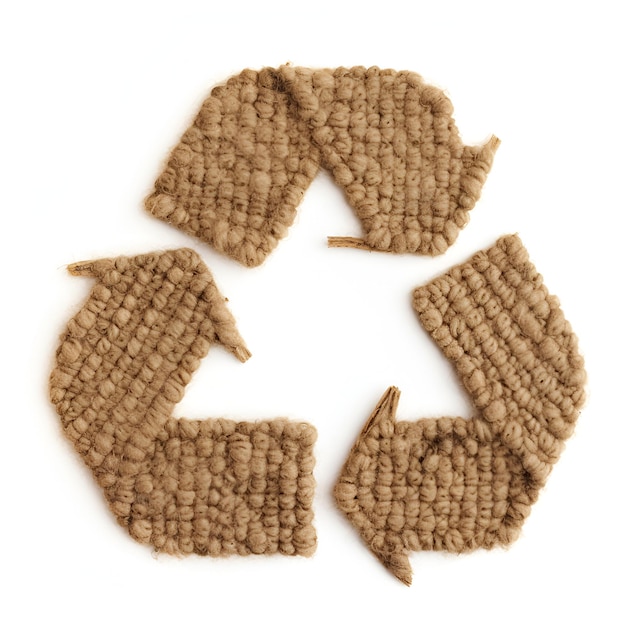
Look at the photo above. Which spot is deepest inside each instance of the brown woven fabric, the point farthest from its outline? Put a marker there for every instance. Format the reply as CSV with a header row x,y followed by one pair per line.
x,y
214,487
388,139
455,484
240,170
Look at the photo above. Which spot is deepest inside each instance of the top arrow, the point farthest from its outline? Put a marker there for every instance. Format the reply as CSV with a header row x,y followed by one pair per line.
x,y
213,487
389,140
454,484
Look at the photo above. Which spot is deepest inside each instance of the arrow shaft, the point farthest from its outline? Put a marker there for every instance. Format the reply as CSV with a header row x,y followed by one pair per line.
x,y
449,490
513,350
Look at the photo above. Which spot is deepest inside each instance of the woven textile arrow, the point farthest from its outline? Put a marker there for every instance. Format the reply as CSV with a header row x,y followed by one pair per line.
x,y
388,139
455,484
214,487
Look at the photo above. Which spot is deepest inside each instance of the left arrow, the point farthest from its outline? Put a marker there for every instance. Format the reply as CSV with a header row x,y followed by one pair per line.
x,y
213,487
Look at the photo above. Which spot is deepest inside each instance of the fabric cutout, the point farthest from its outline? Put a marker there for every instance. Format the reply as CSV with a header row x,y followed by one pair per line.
x,y
455,484
239,172
215,487
389,140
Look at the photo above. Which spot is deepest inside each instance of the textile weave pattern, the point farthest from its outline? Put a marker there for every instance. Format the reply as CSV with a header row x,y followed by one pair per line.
x,y
388,139
213,487
454,484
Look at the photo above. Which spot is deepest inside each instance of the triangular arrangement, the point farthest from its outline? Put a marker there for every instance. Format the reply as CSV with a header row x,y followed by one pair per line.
x,y
218,487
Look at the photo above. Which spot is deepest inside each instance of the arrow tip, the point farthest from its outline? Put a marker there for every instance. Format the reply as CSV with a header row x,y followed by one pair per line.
x,y
398,564
91,269
242,353
385,410
356,505
84,268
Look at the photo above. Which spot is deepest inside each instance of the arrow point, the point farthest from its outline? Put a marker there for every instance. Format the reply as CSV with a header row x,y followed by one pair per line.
x,y
355,503
85,268
385,411
242,353
398,564
348,242
80,269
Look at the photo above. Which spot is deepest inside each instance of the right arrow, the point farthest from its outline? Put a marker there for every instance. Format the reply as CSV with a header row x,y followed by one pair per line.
x,y
455,484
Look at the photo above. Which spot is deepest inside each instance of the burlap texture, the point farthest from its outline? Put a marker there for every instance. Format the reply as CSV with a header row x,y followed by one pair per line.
x,y
214,487
455,484
388,139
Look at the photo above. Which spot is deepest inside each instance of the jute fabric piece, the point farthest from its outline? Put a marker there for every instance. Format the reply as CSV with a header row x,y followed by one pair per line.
x,y
455,484
212,487
388,139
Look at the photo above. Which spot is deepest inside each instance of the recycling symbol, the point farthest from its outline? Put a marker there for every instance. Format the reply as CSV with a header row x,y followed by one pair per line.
x,y
218,487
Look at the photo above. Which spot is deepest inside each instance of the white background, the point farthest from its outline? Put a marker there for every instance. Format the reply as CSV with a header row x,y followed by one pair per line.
x,y
94,97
